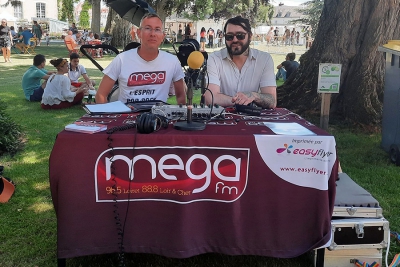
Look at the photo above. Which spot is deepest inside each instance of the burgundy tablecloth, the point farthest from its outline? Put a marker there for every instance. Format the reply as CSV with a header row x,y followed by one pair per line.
x,y
191,192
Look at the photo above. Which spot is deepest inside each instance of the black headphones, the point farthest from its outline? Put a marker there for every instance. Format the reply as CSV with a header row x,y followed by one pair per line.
x,y
149,122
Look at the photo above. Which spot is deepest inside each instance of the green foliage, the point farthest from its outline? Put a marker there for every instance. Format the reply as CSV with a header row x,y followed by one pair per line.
x,y
311,13
203,9
84,16
67,10
12,3
10,133
265,14
199,11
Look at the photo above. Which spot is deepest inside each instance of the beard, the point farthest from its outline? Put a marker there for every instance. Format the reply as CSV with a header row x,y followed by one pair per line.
x,y
238,50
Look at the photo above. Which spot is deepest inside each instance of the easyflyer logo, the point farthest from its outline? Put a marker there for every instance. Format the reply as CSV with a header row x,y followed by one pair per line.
x,y
319,153
174,174
145,78
285,148
300,160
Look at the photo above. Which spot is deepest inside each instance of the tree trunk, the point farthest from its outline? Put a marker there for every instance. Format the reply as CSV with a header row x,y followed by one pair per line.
x,y
161,12
349,33
110,17
121,32
96,14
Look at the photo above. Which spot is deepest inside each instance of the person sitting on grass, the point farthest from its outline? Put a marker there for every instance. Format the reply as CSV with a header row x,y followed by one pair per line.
x,y
58,94
33,90
286,68
75,71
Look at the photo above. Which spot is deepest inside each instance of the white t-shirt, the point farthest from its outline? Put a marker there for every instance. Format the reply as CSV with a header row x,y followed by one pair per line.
x,y
258,71
58,89
141,80
75,74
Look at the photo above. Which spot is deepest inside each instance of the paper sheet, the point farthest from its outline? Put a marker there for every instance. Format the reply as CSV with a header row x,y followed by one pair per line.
x,y
291,128
112,107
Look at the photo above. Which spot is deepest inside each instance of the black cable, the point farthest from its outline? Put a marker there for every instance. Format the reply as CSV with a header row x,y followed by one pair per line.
x,y
120,128
129,190
121,253
120,227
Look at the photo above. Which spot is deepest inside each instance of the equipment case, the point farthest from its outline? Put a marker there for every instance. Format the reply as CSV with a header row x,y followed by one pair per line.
x,y
359,231
354,201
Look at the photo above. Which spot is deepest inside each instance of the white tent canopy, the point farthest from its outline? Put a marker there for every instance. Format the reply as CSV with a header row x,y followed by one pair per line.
x,y
11,20
7,16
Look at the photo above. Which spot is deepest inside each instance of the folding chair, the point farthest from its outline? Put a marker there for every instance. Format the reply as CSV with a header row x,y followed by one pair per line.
x,y
72,47
30,48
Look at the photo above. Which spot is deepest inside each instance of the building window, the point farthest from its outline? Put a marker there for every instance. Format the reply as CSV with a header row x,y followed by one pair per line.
x,y
40,10
18,12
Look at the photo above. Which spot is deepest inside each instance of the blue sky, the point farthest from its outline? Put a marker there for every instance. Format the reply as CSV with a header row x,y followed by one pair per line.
x,y
288,2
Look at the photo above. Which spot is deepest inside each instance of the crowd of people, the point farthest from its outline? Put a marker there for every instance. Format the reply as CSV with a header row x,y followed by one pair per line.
x,y
237,73
210,35
288,37
21,39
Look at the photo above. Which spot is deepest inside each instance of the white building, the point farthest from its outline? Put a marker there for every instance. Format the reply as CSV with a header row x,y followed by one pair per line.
x,y
32,9
283,17
43,11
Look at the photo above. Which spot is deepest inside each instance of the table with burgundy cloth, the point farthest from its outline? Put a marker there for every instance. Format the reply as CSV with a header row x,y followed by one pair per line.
x,y
235,188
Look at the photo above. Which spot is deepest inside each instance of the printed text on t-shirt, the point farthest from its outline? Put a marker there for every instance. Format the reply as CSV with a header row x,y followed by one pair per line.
x,y
144,78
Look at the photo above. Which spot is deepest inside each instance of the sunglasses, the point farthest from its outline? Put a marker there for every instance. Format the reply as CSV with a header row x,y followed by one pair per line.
x,y
240,36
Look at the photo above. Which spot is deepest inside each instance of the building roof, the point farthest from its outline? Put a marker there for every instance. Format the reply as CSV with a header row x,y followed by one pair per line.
x,y
286,12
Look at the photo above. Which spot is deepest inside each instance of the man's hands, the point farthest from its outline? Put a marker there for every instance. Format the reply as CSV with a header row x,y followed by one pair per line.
x,y
263,99
243,98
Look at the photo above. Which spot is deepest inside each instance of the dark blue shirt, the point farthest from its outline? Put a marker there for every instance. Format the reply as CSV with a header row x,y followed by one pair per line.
x,y
290,67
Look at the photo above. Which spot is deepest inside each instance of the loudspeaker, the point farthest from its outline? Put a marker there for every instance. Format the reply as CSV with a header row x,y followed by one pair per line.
x,y
149,122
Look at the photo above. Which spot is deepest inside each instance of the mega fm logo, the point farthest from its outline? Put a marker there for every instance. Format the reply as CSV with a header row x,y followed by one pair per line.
x,y
321,153
145,78
175,174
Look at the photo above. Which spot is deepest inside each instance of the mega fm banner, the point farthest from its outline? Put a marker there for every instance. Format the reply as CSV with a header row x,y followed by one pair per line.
x,y
174,174
301,160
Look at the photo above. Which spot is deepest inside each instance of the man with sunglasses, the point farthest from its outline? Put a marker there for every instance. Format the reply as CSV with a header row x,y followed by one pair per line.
x,y
239,74
144,73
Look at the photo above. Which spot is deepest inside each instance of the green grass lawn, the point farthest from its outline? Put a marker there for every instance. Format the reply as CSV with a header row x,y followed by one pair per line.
x,y
28,222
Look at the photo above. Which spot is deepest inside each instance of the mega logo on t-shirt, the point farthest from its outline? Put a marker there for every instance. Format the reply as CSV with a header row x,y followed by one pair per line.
x,y
145,78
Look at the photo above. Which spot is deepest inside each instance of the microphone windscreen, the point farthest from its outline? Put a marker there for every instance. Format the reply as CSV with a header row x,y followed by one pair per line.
x,y
195,60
